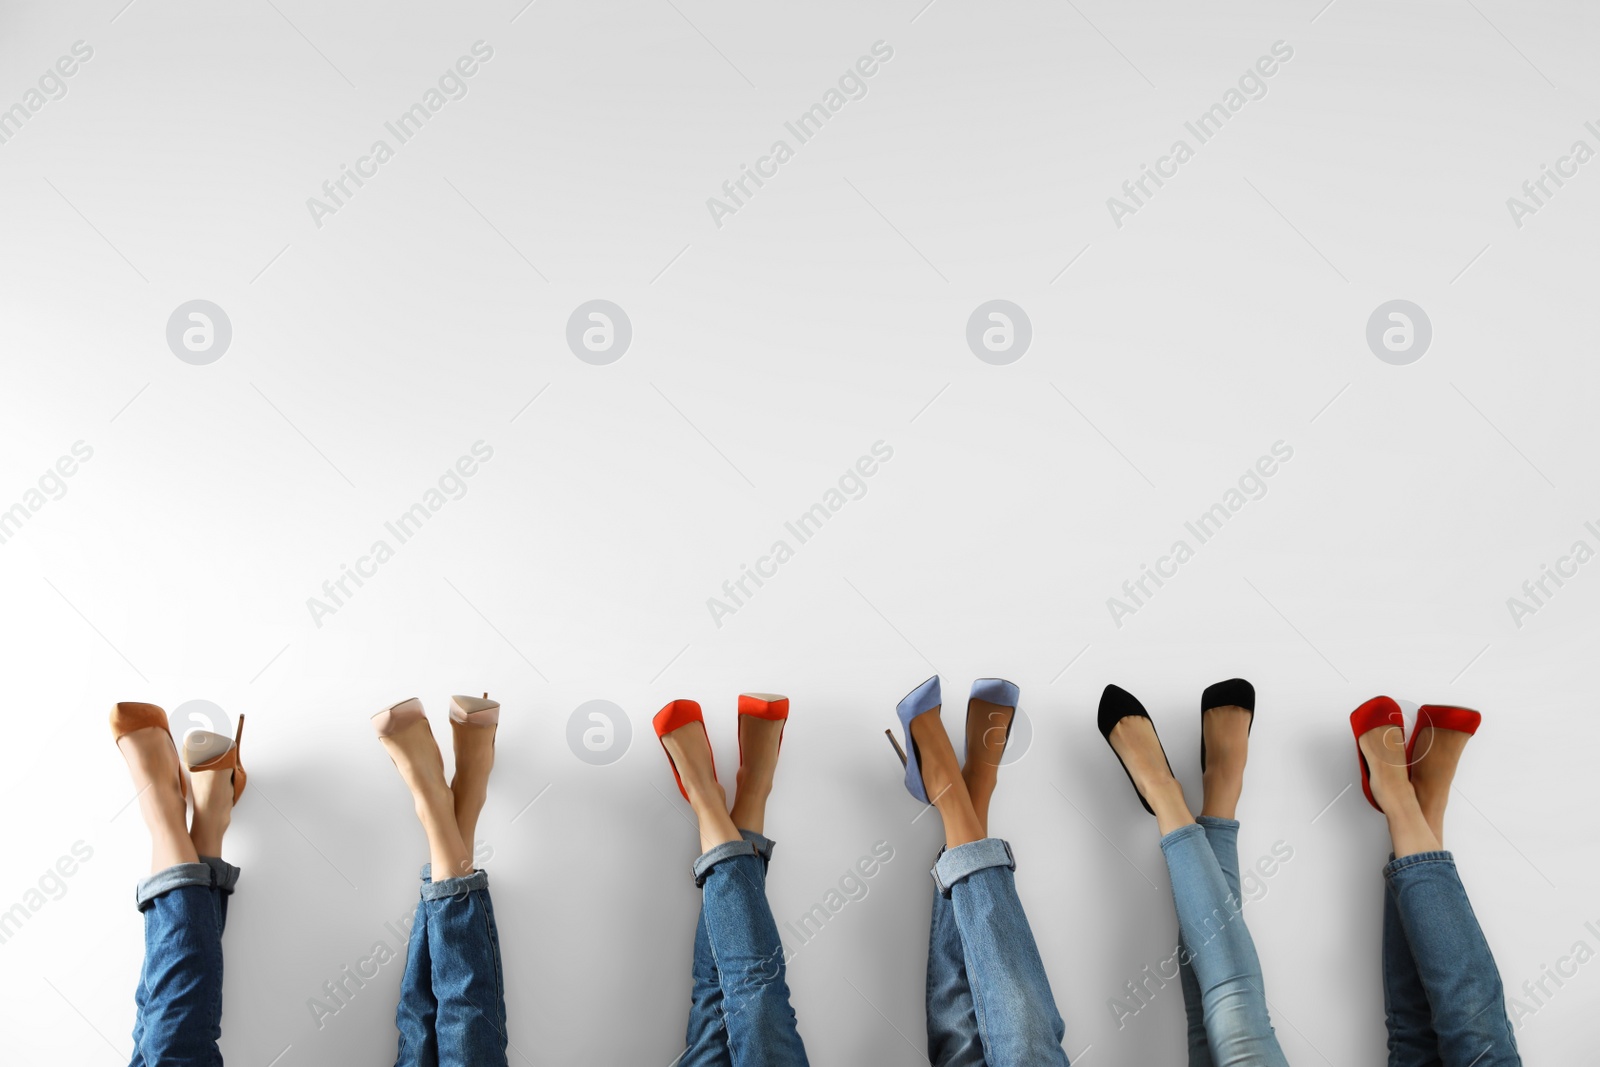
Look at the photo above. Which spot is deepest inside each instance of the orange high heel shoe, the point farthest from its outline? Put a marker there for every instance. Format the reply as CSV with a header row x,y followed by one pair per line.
x,y
676,714
396,717
206,751
769,706
128,716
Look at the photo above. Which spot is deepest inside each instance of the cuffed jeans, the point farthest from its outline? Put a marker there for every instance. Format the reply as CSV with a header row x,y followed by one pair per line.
x,y
1442,995
989,1001
452,1010
1222,987
178,1017
739,1011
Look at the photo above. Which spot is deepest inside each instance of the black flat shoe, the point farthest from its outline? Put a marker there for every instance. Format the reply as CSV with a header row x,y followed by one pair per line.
x,y
1234,693
1117,704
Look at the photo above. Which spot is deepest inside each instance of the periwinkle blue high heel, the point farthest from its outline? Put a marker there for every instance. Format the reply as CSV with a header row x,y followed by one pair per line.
x,y
996,691
924,698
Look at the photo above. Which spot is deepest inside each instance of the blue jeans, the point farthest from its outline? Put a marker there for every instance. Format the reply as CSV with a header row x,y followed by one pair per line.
x,y
989,1001
178,1017
739,1012
452,1010
1442,995
1222,974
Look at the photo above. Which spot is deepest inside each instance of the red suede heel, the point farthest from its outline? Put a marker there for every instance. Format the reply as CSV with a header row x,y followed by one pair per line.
x,y
679,713
1375,713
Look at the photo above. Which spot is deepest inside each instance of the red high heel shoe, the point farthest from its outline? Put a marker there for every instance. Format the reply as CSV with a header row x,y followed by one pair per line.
x,y
1441,717
1375,713
676,714
769,706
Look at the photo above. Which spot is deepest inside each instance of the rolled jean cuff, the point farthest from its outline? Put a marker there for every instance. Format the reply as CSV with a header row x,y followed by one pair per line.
x,y
717,853
1182,834
1394,867
764,845
209,873
1211,822
963,861
452,887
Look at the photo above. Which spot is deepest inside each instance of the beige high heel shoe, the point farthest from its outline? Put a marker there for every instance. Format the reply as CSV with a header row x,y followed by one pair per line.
x,y
475,711
206,751
128,716
396,717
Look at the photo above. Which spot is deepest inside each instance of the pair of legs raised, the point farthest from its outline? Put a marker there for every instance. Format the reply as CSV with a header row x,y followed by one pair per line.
x,y
1443,999
739,1010
452,1009
184,899
1223,990
989,1002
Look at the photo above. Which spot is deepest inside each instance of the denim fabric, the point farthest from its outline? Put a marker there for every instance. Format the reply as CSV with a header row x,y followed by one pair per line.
x,y
739,1012
1442,995
1223,837
989,1001
178,1017
1219,948
452,1010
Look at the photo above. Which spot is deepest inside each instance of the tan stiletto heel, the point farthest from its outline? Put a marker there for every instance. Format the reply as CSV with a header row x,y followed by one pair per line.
x,y
128,716
396,717
475,711
206,751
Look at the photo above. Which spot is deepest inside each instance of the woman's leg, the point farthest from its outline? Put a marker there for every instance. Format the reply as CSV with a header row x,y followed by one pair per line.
x,y
1227,744
741,946
1219,946
1011,1003
707,1037
464,988
953,1036
1453,964
466,974
179,997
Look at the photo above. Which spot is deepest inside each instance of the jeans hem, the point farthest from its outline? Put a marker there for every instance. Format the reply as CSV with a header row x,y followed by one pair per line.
x,y
1215,823
1182,833
1394,867
451,887
763,844
209,873
717,853
963,861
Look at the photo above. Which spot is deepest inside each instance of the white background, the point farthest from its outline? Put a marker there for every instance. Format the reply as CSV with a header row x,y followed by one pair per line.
x,y
768,354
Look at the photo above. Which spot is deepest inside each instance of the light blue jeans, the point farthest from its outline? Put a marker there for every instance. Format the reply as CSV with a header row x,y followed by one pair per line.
x,y
1222,987
1442,995
739,1011
178,1005
452,1010
989,1001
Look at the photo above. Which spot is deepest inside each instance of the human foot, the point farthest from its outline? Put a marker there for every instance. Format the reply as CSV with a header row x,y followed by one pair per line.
x,y
762,717
213,809
991,709
1440,738
154,767
689,749
474,722
1226,734
1384,748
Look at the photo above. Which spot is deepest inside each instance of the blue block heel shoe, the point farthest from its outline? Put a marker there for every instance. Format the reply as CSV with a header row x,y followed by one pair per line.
x,y
924,698
996,691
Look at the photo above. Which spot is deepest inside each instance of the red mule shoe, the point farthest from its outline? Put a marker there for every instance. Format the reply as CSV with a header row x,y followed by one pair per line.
x,y
1374,714
769,706
1441,717
677,714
